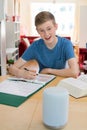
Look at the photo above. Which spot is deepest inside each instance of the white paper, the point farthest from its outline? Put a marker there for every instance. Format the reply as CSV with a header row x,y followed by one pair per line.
x,y
18,88
24,87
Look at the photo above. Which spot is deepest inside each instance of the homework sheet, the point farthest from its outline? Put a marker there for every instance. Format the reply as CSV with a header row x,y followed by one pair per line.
x,y
23,87
19,88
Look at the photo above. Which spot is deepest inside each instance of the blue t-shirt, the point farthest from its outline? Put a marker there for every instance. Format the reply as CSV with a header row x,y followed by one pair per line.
x,y
50,58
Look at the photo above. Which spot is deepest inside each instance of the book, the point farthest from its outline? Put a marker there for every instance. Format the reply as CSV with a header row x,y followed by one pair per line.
x,y
14,91
77,87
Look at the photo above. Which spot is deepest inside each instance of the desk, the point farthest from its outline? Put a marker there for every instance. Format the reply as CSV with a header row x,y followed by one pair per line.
x,y
28,116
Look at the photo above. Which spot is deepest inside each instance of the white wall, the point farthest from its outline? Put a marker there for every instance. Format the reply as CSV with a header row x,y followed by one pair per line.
x,y
25,15
83,26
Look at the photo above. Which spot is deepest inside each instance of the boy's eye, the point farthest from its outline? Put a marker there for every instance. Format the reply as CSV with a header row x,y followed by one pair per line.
x,y
49,28
41,30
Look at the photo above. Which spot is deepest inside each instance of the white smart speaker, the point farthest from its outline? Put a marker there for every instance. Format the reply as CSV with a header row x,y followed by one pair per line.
x,y
55,107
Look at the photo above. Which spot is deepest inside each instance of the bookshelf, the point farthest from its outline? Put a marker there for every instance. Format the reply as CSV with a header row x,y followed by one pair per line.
x,y
9,33
13,27
13,37
12,53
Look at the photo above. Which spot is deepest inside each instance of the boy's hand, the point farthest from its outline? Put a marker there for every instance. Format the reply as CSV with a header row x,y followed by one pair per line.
x,y
29,74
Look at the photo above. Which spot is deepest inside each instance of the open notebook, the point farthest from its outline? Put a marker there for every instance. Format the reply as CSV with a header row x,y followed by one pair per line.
x,y
20,89
77,87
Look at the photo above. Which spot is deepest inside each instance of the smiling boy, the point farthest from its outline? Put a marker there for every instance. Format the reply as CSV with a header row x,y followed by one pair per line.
x,y
51,52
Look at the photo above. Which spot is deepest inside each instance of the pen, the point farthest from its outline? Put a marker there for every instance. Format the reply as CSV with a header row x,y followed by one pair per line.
x,y
24,80
28,70
18,80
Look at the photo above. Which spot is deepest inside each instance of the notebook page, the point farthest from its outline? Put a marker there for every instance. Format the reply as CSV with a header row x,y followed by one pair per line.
x,y
19,88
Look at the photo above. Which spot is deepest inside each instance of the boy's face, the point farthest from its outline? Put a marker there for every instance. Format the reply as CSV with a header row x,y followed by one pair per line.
x,y
47,32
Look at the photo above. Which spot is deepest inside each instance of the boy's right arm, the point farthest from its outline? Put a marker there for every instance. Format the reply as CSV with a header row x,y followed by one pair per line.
x,y
17,69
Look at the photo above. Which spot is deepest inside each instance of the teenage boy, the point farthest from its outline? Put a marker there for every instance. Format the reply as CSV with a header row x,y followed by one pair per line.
x,y
50,52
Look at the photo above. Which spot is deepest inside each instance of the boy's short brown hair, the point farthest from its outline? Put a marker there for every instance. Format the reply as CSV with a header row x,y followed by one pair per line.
x,y
44,16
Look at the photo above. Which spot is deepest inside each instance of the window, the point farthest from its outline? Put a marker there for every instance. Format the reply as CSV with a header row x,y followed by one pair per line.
x,y
63,12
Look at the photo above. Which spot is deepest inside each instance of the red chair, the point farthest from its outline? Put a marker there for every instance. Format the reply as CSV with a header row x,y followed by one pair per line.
x,y
23,45
30,38
82,58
